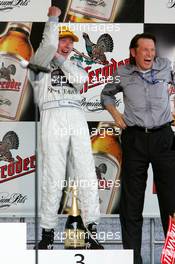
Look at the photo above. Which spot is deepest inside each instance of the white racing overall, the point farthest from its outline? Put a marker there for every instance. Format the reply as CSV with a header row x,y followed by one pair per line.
x,y
64,130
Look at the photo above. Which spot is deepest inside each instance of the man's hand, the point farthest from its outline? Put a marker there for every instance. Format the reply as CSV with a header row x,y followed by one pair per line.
x,y
119,121
54,11
118,117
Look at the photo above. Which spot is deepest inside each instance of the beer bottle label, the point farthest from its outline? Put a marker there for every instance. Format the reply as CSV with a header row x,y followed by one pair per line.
x,y
74,238
100,9
13,80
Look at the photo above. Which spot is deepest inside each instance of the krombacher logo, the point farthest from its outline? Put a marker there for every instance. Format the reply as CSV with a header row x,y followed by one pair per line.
x,y
8,5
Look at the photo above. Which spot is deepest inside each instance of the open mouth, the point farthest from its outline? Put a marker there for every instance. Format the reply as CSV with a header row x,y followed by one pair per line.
x,y
65,51
148,60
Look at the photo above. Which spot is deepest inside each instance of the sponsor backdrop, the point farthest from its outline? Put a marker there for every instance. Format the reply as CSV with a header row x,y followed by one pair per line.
x,y
159,11
17,168
24,10
17,164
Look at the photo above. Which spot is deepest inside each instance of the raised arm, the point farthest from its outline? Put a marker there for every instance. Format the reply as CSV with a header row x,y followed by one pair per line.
x,y
48,46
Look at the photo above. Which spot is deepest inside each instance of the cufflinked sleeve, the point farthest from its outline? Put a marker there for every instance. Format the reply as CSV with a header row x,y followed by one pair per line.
x,y
109,91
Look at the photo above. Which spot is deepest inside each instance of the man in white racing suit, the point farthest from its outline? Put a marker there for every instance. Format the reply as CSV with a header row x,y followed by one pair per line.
x,y
64,129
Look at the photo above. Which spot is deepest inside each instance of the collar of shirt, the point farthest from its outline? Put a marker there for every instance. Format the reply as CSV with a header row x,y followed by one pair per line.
x,y
133,68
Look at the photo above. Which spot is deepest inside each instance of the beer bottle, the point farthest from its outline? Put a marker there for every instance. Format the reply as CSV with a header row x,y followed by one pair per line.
x,y
74,228
14,46
91,11
108,157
